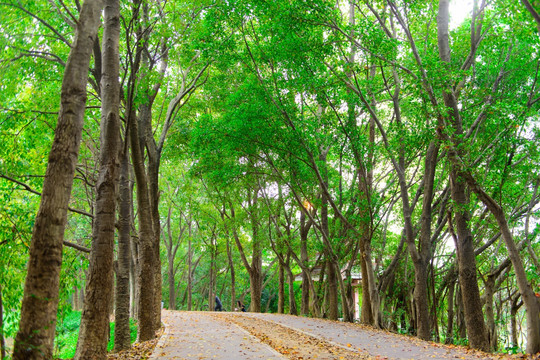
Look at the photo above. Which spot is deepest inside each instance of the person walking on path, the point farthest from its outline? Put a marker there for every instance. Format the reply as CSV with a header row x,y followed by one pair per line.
x,y
219,306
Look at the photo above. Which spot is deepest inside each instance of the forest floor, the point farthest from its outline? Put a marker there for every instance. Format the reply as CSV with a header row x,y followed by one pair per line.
x,y
238,336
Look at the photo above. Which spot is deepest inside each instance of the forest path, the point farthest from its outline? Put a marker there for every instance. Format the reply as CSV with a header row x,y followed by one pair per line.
x,y
232,336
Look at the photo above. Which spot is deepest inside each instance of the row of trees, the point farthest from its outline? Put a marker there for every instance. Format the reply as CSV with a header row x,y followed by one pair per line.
x,y
243,140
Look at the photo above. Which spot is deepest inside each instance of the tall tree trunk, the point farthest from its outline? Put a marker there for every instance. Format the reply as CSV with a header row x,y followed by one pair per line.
x,y
449,338
491,327
190,272
122,340
37,326
212,276
134,268
304,231
332,295
474,319
94,329
366,316
281,288
514,307
460,315
233,275
472,306
146,278
154,158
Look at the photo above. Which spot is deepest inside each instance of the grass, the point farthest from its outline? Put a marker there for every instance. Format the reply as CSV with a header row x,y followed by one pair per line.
x,y
67,333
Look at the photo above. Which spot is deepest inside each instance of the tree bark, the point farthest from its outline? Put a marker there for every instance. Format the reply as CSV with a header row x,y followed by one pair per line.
x,y
281,288
190,272
122,340
515,304
233,275
37,326
304,231
94,329
490,316
255,270
449,338
146,278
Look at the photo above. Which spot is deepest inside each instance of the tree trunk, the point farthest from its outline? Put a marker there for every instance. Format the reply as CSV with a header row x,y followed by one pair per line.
x,y
490,316
332,295
190,272
462,329
304,231
233,275
449,338
281,289
122,340
212,276
37,326
154,158
474,319
146,278
134,268
472,306
366,316
94,329
514,307
171,254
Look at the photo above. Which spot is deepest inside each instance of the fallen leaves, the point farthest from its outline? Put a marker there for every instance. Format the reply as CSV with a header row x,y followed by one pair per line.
x,y
293,344
138,351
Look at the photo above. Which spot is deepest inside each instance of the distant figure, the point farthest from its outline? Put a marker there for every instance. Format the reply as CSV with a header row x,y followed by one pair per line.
x,y
241,306
219,306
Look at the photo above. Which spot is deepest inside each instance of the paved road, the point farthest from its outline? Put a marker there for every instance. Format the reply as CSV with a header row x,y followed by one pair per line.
x,y
227,336
198,335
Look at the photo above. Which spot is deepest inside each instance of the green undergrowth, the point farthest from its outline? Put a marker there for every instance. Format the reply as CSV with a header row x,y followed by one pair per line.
x,y
67,332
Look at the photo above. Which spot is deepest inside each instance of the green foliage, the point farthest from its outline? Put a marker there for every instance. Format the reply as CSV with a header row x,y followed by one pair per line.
x,y
67,332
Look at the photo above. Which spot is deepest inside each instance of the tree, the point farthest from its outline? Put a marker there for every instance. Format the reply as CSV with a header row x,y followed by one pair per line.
x,y
94,330
38,315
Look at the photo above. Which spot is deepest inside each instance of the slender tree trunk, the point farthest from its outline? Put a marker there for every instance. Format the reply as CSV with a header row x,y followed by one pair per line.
x,y
474,319
171,252
366,316
153,186
332,295
460,315
514,307
450,317
281,289
304,230
37,326
255,273
94,330
472,306
146,278
190,272
212,282
490,316
134,268
233,275
122,340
